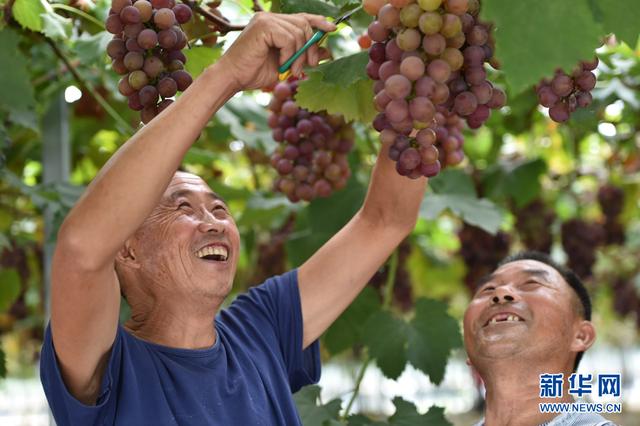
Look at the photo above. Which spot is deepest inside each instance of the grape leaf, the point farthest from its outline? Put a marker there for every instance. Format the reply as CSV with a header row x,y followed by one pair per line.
x,y
16,91
407,415
10,288
452,181
354,102
344,71
620,17
27,13
90,48
318,7
453,189
312,414
432,336
533,38
321,219
199,58
386,338
475,211
523,183
55,26
347,330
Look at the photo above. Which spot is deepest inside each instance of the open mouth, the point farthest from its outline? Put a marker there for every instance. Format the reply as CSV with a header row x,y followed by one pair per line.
x,y
504,317
213,253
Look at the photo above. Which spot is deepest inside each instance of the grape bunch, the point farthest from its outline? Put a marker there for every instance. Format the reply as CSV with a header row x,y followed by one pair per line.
x,y
626,299
146,50
611,200
428,58
580,240
533,223
481,252
312,157
564,93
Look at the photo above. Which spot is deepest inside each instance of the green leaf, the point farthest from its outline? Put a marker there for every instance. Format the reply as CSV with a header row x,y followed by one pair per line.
x,y
312,414
523,183
407,415
344,71
353,100
620,17
90,48
266,211
475,211
10,287
453,181
347,330
433,334
16,91
555,33
321,219
199,58
318,7
386,338
56,26
27,13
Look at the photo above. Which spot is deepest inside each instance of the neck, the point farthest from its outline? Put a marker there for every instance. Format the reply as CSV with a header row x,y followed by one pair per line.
x,y
513,392
175,320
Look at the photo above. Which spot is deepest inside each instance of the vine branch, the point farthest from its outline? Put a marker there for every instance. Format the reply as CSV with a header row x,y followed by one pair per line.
x,y
223,25
89,87
386,303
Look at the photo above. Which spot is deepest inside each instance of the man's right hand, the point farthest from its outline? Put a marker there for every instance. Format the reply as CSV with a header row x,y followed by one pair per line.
x,y
267,42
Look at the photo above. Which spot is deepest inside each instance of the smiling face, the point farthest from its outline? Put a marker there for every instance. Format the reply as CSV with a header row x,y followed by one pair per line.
x,y
525,309
189,244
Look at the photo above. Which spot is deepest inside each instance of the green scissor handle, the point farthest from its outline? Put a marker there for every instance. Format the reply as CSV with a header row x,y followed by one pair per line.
x,y
314,39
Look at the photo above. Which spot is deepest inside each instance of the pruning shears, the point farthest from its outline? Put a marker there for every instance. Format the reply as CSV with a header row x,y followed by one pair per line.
x,y
318,37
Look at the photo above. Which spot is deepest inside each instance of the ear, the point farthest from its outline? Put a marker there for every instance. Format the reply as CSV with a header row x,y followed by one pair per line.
x,y
584,336
126,256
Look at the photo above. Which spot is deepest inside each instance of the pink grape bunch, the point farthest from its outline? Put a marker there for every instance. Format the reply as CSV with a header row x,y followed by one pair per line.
x,y
311,159
565,93
146,50
429,56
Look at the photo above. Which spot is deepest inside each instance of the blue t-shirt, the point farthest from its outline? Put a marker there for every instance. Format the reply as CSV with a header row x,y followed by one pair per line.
x,y
246,378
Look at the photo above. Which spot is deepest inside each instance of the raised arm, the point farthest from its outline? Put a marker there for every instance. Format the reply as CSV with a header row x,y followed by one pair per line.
x,y
332,278
85,290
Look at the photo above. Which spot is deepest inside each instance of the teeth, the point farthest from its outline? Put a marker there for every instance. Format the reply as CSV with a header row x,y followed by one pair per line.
x,y
213,250
510,318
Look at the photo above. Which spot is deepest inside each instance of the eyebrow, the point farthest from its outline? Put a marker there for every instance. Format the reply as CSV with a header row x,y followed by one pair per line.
x,y
538,273
188,193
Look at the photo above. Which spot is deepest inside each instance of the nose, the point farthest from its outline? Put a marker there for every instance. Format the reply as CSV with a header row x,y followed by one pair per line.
x,y
503,294
210,223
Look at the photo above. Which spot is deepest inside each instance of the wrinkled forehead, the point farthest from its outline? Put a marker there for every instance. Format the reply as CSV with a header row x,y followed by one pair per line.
x,y
183,183
528,268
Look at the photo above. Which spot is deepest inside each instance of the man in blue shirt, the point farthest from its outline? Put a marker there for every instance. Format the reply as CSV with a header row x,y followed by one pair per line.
x,y
531,317
171,246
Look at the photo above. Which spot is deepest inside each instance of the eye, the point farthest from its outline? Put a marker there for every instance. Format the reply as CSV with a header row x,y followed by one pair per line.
x,y
489,287
184,204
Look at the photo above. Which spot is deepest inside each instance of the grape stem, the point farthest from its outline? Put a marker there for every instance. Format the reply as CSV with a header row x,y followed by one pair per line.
x,y
386,303
89,88
222,25
257,7
79,13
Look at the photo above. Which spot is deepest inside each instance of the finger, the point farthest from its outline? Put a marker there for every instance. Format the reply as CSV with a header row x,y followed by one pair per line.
x,y
298,35
319,21
301,22
283,40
